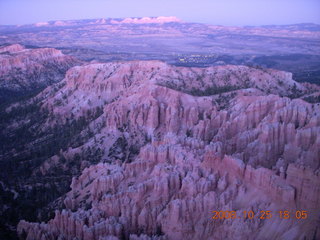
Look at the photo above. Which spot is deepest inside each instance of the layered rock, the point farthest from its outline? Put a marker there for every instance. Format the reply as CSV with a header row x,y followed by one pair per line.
x,y
147,20
95,85
232,149
169,192
23,70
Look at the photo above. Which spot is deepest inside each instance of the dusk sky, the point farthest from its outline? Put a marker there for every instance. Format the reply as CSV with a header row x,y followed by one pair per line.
x,y
224,12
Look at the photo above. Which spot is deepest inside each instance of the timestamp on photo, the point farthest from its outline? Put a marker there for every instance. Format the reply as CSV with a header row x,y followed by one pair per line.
x,y
263,214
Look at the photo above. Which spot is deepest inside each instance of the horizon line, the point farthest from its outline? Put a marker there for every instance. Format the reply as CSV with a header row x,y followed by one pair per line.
x,y
152,17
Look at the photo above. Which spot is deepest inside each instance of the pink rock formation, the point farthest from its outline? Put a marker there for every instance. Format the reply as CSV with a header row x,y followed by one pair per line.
x,y
26,69
11,48
41,24
147,20
239,150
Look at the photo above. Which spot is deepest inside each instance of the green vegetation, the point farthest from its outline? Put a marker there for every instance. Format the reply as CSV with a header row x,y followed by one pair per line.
x,y
30,143
312,99
209,91
212,90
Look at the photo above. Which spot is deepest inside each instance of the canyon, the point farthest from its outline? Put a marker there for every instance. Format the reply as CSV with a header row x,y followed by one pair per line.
x,y
147,150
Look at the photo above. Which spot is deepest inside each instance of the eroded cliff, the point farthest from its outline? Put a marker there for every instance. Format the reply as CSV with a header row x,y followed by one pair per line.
x,y
179,143
24,70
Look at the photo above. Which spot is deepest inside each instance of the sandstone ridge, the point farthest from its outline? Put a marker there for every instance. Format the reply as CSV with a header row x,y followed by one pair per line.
x,y
180,143
24,69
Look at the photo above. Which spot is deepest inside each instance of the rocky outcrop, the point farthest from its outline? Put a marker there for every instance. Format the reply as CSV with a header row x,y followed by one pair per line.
x,y
223,149
169,192
24,70
95,85
11,49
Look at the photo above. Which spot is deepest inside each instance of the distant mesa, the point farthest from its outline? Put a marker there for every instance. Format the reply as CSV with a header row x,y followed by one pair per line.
x,y
143,20
51,23
41,24
101,21
146,20
60,23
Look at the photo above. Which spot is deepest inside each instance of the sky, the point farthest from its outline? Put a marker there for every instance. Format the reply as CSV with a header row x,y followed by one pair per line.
x,y
221,12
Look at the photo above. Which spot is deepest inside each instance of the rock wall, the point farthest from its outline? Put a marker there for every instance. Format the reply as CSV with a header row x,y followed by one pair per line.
x,y
257,152
23,70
